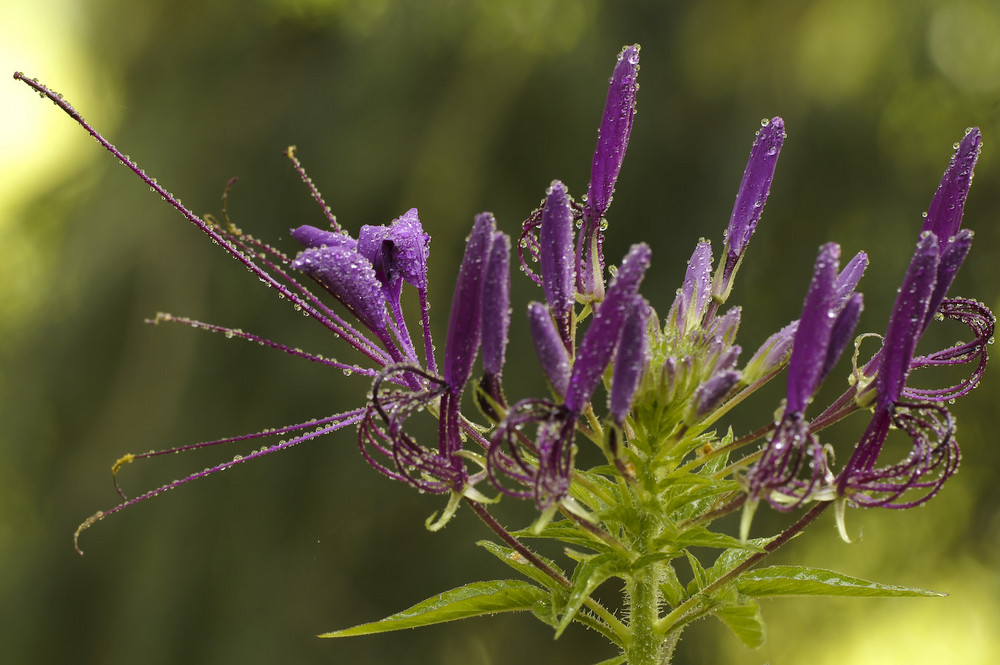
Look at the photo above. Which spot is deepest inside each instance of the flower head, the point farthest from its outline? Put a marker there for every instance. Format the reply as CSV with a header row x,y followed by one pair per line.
x,y
829,316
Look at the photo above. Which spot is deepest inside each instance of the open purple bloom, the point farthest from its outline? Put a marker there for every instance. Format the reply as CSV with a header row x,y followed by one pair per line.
x,y
350,278
475,321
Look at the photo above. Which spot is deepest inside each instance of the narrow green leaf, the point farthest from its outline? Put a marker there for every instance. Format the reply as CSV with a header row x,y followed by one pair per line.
x,y
467,601
617,660
587,577
699,536
672,589
568,532
805,581
700,579
745,620
517,561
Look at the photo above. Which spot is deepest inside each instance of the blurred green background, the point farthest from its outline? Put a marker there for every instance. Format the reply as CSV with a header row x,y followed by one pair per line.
x,y
452,107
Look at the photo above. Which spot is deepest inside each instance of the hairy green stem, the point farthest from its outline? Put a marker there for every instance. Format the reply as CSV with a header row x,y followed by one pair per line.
x,y
689,610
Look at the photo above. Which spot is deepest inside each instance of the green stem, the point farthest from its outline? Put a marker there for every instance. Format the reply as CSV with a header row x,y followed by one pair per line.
x,y
607,625
689,610
646,645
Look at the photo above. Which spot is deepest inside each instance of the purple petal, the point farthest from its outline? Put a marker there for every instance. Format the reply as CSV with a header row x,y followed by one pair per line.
x,y
310,236
724,327
350,278
841,333
557,255
709,394
849,277
692,299
398,252
496,304
953,254
813,335
632,359
549,346
602,335
944,216
464,323
752,195
612,138
410,248
372,245
772,354
907,319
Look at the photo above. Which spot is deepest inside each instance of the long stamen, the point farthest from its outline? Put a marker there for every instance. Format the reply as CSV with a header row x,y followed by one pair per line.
x,y
236,333
348,418
215,234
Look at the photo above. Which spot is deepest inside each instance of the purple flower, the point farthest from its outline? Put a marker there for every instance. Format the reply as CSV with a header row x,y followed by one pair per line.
x,y
612,142
475,321
556,257
750,200
921,413
829,316
540,466
556,247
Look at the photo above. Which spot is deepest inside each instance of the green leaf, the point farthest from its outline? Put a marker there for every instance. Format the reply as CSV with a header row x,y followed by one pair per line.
x,y
565,531
699,536
517,561
805,581
588,576
617,660
700,579
745,620
467,601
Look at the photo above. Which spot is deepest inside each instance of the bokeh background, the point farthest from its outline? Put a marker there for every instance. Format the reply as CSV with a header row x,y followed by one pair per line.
x,y
452,107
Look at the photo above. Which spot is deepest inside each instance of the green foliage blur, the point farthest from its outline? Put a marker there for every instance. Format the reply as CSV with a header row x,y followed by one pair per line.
x,y
452,107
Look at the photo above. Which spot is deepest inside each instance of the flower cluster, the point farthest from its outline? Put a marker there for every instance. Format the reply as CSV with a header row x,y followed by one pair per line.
x,y
668,381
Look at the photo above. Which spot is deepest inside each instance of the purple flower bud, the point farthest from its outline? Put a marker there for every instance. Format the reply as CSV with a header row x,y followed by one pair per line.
x,y
602,335
772,354
612,141
556,256
668,379
849,277
612,138
812,339
549,346
631,360
907,319
349,278
711,393
464,323
496,304
692,299
724,327
841,333
944,216
750,199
